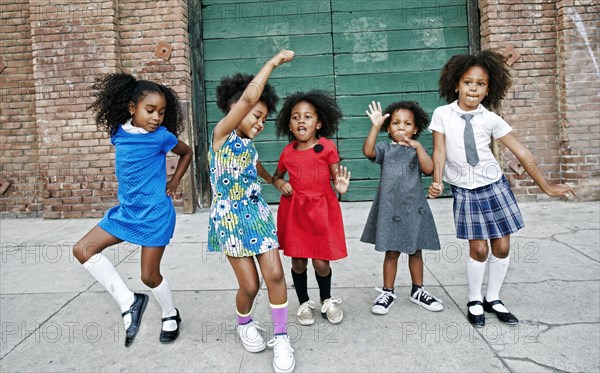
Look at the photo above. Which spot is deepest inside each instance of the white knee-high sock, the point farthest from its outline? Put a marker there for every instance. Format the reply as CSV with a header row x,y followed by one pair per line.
x,y
475,272
106,274
164,296
497,269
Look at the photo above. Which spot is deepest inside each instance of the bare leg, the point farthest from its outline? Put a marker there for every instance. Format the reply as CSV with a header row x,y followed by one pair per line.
x,y
415,266
390,267
94,242
247,277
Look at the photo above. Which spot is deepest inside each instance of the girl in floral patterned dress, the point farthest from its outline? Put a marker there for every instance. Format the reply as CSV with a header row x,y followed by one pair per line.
x,y
241,224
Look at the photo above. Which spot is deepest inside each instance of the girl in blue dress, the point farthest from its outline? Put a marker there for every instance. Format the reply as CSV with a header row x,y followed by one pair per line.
x,y
240,223
143,119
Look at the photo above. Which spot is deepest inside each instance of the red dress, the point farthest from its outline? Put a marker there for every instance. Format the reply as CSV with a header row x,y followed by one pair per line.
x,y
309,222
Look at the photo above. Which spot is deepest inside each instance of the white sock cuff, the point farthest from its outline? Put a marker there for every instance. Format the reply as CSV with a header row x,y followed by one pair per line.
x,y
164,285
96,258
494,259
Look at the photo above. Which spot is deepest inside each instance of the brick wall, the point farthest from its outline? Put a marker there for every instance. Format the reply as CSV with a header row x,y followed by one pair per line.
x,y
547,93
579,94
19,160
58,163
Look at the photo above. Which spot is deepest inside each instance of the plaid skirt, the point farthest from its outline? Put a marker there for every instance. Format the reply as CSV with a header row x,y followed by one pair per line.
x,y
486,212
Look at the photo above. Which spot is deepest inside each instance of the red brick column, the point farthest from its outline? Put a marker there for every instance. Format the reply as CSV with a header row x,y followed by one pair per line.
x,y
72,42
578,27
531,107
19,162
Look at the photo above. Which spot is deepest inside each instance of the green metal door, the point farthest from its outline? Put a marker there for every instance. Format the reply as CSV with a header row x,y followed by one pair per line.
x,y
383,50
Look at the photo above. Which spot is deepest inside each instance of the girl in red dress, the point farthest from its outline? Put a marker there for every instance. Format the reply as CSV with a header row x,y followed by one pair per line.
x,y
309,219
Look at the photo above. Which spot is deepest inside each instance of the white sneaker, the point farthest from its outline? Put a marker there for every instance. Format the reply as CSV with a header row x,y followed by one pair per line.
x,y
331,308
383,302
283,354
251,338
426,300
305,314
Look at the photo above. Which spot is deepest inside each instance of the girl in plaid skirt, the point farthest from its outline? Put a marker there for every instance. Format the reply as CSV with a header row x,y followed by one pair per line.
x,y
484,205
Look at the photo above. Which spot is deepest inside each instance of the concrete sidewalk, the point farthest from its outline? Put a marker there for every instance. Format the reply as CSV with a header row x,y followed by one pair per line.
x,y
56,318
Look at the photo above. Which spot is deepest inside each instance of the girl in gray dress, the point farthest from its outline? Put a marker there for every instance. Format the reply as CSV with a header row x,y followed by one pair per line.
x,y
400,220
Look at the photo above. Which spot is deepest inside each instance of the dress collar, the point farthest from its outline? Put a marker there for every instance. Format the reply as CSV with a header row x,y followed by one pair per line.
x,y
130,128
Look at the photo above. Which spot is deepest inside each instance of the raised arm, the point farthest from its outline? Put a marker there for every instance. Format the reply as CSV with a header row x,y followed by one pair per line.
x,y
249,98
341,177
377,119
531,167
439,162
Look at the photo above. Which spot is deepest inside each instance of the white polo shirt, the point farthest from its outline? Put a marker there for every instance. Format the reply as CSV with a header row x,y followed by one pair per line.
x,y
446,119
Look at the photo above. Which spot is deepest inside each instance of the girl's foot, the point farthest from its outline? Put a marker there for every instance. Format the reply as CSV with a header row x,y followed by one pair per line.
x,y
136,311
305,314
425,300
383,302
283,354
332,311
251,338
169,336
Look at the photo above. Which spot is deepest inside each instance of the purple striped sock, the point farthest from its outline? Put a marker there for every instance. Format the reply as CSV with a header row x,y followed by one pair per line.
x,y
243,319
279,314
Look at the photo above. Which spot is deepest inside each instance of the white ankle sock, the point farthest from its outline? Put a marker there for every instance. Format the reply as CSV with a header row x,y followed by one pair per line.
x,y
106,274
497,269
163,295
475,272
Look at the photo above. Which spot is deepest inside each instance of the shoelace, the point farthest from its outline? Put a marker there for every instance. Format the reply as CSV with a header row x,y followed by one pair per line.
x,y
384,297
305,305
427,296
251,323
329,303
281,344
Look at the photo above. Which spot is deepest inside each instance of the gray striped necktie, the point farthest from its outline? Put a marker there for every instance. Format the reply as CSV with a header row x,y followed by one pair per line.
x,y
470,147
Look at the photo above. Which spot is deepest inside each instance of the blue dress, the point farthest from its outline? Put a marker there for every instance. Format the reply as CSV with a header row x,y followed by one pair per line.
x,y
145,215
240,221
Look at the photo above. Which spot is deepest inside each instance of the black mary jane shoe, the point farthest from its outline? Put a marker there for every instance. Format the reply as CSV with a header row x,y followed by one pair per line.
x,y
136,310
477,321
170,336
506,317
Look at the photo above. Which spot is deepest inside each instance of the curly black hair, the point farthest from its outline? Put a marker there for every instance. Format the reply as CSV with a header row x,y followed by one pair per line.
x,y
230,90
328,112
115,91
493,62
421,117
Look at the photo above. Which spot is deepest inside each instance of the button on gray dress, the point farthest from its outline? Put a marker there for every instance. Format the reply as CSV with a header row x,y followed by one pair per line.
x,y
400,218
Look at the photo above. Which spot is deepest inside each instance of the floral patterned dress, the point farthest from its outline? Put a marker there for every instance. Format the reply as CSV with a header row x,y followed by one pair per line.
x,y
240,223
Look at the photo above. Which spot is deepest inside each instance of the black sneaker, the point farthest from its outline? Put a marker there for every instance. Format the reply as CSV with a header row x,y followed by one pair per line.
x,y
383,302
425,300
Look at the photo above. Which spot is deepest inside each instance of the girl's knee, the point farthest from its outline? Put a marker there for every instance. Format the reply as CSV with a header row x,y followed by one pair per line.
x,y
249,290
151,278
322,267
299,265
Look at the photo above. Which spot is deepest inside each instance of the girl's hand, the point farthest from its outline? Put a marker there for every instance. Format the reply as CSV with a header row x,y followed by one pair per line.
x,y
172,188
435,189
375,114
342,179
408,142
282,57
284,187
559,190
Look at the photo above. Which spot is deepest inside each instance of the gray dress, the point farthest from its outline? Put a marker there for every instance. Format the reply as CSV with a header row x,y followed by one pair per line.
x,y
400,218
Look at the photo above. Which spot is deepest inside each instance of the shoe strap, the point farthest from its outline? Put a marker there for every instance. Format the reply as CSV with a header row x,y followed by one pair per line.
x,y
494,302
176,317
474,303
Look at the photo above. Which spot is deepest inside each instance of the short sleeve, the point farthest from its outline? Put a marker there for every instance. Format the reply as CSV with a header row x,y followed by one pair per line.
x,y
379,152
331,152
437,123
500,128
169,141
